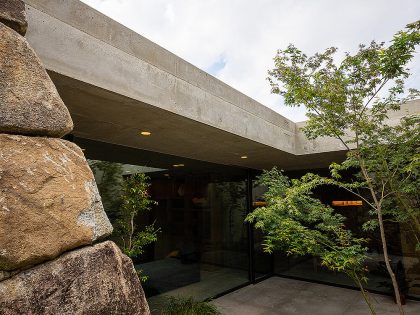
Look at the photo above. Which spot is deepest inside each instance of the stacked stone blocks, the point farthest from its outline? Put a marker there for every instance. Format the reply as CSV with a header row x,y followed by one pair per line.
x,y
52,221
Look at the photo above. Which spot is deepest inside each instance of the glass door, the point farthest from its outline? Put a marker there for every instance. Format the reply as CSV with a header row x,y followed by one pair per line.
x,y
261,265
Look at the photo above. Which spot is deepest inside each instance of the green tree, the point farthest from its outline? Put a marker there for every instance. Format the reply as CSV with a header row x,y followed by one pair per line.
x,y
351,100
135,199
299,224
124,200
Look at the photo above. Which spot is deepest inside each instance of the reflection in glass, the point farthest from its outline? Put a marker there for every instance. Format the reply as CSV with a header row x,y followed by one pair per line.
x,y
202,247
401,247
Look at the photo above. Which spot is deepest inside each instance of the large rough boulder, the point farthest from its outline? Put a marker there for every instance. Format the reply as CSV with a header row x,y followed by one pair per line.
x,y
29,101
12,13
92,280
49,202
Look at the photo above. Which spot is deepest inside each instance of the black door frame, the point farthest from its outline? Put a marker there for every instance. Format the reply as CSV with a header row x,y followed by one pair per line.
x,y
251,241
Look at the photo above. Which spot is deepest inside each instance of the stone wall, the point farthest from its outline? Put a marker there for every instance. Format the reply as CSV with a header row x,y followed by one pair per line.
x,y
52,221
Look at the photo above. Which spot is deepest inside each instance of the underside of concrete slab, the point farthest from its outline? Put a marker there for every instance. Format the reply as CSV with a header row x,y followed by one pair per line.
x,y
117,83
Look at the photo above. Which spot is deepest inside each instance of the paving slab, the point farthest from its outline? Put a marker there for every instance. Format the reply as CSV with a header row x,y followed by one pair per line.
x,y
283,296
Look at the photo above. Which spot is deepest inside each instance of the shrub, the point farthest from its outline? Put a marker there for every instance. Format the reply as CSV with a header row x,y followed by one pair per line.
x,y
188,306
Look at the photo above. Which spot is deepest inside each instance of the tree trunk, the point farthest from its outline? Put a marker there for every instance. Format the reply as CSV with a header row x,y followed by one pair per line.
x,y
388,265
130,239
383,238
364,293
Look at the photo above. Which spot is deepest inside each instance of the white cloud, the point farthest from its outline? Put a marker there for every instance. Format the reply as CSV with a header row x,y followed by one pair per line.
x,y
239,38
169,13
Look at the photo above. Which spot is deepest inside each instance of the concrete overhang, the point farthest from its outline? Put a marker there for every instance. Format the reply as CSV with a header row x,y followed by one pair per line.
x,y
117,83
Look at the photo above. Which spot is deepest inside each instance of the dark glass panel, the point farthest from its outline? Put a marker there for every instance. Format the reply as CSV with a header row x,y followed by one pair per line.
x,y
202,249
263,262
401,248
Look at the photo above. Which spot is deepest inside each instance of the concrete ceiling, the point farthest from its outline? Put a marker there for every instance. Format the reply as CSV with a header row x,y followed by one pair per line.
x,y
108,117
116,83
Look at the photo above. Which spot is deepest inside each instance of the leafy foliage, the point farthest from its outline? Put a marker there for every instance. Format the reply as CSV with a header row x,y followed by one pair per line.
x,y
348,101
109,179
337,96
135,199
297,223
188,306
124,200
392,159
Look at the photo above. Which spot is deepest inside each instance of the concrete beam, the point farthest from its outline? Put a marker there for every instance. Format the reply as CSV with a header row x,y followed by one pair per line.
x,y
76,41
116,83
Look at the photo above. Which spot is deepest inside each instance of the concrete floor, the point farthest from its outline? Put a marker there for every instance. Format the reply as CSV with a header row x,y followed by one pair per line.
x,y
285,296
212,282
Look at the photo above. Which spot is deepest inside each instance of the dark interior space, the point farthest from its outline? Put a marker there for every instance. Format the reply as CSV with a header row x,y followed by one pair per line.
x,y
205,248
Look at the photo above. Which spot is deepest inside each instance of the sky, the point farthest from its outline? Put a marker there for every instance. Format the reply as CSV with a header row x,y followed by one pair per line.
x,y
236,40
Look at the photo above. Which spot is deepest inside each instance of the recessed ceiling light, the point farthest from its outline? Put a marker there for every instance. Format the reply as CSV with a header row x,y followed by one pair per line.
x,y
244,157
178,165
145,133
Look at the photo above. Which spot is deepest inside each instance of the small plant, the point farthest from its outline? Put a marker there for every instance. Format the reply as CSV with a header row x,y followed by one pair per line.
x,y
188,306
135,199
124,200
